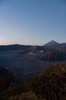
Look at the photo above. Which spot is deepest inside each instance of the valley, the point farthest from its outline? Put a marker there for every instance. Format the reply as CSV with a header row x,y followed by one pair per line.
x,y
25,64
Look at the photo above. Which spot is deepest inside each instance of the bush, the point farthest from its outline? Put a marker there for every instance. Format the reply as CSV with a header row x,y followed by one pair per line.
x,y
51,84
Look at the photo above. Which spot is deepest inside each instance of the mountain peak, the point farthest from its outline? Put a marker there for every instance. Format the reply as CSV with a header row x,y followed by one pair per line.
x,y
52,43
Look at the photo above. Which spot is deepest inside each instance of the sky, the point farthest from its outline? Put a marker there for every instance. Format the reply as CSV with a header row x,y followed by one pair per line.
x,y
32,22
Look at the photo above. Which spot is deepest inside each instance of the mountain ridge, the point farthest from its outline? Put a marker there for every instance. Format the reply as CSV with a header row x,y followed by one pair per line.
x,y
54,43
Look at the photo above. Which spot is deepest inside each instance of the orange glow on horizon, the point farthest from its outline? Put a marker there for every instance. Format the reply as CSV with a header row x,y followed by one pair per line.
x,y
3,42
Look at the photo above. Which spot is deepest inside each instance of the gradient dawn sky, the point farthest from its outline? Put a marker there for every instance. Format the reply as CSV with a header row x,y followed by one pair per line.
x,y
33,22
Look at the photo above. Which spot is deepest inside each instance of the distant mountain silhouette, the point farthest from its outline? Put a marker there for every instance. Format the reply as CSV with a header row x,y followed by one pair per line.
x,y
29,47
52,43
14,47
63,44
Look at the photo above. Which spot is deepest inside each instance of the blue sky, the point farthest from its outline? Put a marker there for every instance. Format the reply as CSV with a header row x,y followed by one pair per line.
x,y
32,21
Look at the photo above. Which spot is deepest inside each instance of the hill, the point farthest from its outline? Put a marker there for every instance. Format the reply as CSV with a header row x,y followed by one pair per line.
x,y
48,85
13,47
51,84
54,54
5,78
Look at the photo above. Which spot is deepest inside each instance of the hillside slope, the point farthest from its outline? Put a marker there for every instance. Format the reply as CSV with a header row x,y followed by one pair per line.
x,y
51,83
5,78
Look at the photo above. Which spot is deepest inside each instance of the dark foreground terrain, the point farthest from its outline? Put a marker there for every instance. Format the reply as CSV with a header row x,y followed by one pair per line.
x,y
48,85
